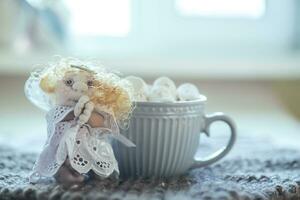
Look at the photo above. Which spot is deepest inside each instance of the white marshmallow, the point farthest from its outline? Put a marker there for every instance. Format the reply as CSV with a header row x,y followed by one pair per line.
x,y
162,90
188,92
161,94
139,86
166,82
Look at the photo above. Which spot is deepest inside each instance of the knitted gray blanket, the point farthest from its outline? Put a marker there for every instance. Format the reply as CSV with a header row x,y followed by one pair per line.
x,y
254,170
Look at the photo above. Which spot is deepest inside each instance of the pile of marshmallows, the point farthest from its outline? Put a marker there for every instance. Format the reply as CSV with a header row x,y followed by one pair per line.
x,y
162,90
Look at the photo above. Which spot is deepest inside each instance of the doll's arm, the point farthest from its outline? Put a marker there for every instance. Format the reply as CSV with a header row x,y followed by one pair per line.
x,y
96,120
69,117
80,105
82,110
86,113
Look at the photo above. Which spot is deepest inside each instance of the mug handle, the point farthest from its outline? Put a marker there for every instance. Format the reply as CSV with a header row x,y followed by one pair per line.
x,y
214,157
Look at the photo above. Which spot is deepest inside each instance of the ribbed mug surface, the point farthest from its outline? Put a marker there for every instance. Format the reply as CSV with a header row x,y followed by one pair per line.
x,y
166,137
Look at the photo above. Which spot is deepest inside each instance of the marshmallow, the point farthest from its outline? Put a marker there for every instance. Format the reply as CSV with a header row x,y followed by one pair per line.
x,y
140,88
162,90
161,94
166,82
188,92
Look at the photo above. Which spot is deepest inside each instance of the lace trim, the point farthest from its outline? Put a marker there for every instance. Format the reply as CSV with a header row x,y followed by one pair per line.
x,y
87,148
48,163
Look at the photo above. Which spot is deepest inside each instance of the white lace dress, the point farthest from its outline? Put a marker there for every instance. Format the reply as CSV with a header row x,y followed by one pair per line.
x,y
87,148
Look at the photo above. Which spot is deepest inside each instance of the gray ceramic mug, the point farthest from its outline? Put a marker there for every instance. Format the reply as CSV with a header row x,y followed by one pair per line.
x,y
167,137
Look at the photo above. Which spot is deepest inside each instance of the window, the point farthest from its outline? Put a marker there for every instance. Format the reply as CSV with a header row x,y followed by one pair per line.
x,y
100,17
222,8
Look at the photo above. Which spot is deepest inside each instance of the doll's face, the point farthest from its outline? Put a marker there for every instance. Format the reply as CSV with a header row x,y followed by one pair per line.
x,y
73,85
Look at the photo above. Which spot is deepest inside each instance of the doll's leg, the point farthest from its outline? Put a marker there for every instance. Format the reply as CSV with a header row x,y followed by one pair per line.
x,y
114,176
67,175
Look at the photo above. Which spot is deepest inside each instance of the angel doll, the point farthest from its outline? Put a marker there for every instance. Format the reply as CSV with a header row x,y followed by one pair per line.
x,y
86,106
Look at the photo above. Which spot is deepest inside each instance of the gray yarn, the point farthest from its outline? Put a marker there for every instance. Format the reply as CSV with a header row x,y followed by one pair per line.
x,y
258,173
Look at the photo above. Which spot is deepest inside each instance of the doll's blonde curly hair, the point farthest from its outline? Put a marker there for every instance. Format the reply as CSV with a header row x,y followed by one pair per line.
x,y
112,92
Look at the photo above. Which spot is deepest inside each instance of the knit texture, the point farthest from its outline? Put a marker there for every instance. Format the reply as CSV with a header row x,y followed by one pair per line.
x,y
259,171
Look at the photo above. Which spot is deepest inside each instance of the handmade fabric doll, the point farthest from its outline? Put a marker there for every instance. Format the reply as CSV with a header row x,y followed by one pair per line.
x,y
86,105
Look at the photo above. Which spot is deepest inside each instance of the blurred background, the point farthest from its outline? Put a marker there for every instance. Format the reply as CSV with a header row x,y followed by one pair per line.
x,y
244,55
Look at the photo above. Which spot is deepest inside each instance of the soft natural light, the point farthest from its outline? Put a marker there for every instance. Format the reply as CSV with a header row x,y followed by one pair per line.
x,y
222,8
99,17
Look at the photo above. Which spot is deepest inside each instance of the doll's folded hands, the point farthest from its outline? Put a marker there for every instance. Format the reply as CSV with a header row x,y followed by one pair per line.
x,y
83,110
80,105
